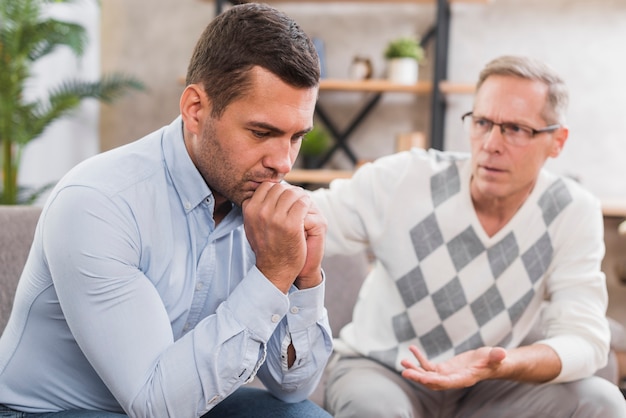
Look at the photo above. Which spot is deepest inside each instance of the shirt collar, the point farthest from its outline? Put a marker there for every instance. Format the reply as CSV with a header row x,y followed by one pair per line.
x,y
188,182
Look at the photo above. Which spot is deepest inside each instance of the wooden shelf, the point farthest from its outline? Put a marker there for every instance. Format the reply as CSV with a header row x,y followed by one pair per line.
x,y
614,208
448,87
382,85
320,176
374,1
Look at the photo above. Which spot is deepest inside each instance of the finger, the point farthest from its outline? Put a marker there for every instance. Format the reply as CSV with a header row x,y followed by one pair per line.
x,y
496,355
294,202
273,202
259,195
280,196
426,365
408,364
315,223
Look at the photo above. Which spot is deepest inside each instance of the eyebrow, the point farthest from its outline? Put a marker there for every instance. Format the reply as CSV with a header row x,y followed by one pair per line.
x,y
506,121
275,130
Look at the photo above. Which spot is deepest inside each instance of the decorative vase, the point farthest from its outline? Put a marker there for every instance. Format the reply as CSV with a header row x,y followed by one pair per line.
x,y
402,70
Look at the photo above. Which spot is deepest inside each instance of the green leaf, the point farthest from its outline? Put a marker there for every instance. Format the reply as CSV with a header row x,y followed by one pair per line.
x,y
405,47
26,36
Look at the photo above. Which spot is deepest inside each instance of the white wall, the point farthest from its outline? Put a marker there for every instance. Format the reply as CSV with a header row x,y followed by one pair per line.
x,y
582,39
71,139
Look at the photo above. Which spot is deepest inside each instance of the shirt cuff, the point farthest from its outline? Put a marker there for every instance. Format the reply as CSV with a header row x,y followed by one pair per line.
x,y
306,306
258,304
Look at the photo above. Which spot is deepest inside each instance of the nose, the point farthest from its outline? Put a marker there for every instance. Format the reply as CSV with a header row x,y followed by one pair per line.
x,y
493,140
280,156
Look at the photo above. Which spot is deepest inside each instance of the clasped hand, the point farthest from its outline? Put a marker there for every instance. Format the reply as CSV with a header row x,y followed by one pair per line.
x,y
462,370
286,232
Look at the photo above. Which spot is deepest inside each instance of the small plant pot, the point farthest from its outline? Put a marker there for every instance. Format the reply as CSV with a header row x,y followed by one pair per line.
x,y
402,70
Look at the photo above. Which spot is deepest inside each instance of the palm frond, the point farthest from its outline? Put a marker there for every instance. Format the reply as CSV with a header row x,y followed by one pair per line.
x,y
26,35
52,33
70,94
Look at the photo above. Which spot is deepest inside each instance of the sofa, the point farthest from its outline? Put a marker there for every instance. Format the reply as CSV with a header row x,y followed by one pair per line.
x,y
17,226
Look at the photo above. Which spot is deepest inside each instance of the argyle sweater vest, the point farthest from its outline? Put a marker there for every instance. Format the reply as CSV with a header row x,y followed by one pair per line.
x,y
439,282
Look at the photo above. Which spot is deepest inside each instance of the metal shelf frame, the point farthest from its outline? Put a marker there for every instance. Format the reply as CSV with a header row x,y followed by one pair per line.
x,y
440,34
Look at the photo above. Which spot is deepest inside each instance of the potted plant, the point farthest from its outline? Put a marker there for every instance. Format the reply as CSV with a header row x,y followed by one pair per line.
x,y
315,144
26,36
403,57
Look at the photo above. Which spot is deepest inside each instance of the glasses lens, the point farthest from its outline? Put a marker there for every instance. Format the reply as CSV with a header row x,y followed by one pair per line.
x,y
517,134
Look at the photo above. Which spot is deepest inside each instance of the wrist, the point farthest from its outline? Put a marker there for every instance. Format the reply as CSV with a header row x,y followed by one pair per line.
x,y
307,282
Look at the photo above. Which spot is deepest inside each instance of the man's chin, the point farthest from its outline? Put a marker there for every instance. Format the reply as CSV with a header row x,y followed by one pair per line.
x,y
238,200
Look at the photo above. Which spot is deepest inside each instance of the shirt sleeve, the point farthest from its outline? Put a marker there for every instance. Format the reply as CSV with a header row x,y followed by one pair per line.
x,y
357,209
574,319
306,327
121,324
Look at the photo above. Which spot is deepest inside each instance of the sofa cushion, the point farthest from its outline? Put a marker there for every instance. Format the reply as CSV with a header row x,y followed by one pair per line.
x,y
17,227
344,276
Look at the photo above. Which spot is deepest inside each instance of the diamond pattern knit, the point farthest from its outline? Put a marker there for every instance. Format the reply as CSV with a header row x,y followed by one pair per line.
x,y
475,302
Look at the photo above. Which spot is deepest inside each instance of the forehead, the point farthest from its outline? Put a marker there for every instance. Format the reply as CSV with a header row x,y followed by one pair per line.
x,y
511,98
267,89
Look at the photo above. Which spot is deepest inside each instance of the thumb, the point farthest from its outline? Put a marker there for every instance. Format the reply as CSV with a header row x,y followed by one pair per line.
x,y
497,355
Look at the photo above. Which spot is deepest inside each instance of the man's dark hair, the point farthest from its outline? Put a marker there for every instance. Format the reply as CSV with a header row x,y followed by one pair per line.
x,y
246,36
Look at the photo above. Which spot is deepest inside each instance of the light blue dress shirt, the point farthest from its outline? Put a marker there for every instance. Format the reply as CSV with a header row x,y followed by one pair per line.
x,y
133,299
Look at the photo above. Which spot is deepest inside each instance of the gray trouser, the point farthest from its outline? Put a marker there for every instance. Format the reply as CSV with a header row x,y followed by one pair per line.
x,y
359,387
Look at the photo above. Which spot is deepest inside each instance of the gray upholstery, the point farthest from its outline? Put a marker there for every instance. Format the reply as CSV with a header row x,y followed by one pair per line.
x,y
17,227
344,276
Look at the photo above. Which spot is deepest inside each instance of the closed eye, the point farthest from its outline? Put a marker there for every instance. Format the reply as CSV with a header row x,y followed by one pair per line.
x,y
260,134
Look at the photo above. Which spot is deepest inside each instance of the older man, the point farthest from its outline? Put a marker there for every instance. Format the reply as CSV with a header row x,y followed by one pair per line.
x,y
471,251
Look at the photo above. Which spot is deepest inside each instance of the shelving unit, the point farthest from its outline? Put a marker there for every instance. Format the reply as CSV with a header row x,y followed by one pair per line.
x,y
378,87
382,86
440,34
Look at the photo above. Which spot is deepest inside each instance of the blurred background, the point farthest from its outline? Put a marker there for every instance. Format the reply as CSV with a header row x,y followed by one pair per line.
x,y
153,40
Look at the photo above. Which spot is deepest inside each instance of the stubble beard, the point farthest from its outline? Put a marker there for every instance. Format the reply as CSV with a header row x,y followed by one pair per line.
x,y
218,171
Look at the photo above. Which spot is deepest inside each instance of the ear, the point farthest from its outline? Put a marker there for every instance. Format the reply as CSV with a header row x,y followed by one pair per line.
x,y
194,106
558,141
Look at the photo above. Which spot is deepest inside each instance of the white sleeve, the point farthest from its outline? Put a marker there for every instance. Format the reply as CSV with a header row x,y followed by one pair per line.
x,y
356,209
574,320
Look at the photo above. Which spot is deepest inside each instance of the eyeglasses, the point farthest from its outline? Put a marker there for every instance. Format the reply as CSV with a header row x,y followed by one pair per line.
x,y
513,133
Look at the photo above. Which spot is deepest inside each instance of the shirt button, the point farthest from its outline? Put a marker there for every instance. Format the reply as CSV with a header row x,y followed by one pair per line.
x,y
275,318
294,310
199,286
187,205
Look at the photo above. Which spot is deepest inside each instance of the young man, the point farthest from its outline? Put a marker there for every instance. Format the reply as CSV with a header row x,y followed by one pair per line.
x,y
167,273
468,249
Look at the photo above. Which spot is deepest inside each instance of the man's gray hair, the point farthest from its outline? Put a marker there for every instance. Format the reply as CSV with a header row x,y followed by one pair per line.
x,y
532,69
